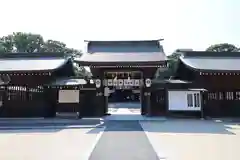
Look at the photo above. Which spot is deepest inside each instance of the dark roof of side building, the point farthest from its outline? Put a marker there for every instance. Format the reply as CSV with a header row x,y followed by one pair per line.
x,y
211,61
10,62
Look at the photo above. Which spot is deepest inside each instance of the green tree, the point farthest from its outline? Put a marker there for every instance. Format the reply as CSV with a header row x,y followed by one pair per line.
x,y
222,47
27,42
7,43
54,46
2,49
172,66
30,43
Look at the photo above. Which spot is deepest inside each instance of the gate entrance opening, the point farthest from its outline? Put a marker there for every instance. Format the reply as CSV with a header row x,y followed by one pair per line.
x,y
124,90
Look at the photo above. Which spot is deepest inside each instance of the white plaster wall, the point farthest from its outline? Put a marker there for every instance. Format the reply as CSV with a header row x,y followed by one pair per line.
x,y
177,101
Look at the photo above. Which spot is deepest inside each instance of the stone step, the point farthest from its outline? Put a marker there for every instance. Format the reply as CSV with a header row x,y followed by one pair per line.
x,y
67,115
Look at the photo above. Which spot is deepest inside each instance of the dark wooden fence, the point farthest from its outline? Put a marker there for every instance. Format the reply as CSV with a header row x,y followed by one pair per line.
x,y
23,101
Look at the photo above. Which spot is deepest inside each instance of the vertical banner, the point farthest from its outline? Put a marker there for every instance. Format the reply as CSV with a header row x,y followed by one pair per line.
x,y
106,91
115,82
136,82
125,82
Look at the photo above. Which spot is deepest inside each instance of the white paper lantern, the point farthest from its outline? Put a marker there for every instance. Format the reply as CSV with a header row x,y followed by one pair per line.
x,y
148,82
110,82
98,83
130,82
120,82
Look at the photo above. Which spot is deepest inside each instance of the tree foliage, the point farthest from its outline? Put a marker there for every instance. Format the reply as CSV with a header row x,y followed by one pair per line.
x,y
30,43
222,47
172,66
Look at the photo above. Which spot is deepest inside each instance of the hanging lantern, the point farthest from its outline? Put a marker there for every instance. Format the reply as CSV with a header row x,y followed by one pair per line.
x,y
148,82
120,82
110,82
98,83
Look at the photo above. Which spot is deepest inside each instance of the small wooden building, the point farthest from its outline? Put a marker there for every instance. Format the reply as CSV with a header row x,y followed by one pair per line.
x,y
22,78
219,74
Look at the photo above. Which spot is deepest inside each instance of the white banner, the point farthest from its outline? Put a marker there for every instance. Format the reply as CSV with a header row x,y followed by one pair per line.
x,y
106,91
115,82
68,96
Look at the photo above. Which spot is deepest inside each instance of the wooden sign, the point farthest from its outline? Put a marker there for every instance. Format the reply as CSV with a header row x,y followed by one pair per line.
x,y
68,96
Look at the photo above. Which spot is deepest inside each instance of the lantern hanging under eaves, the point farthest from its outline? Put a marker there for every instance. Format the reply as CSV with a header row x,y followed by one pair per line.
x,y
98,83
120,82
148,82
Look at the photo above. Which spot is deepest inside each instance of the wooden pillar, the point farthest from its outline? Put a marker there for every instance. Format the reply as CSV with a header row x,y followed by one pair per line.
x,y
147,95
143,101
101,101
202,104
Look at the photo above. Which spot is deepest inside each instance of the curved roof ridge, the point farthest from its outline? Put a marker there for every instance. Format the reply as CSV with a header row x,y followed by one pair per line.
x,y
212,63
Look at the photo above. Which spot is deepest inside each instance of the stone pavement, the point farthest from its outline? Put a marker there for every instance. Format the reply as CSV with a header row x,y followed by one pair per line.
x,y
194,139
48,144
124,135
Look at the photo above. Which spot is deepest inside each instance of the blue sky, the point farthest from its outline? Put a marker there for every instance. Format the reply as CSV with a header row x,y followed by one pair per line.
x,y
182,23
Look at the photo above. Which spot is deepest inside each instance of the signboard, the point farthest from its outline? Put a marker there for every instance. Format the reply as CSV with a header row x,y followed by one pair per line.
x,y
184,101
68,96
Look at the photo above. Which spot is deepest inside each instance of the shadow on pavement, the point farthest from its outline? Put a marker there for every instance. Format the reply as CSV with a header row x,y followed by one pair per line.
x,y
45,125
171,126
189,126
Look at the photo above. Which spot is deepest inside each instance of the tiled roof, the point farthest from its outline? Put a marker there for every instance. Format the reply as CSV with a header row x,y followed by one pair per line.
x,y
123,57
222,61
31,61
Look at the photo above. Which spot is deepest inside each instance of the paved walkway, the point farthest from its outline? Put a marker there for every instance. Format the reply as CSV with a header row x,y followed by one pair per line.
x,y
125,139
